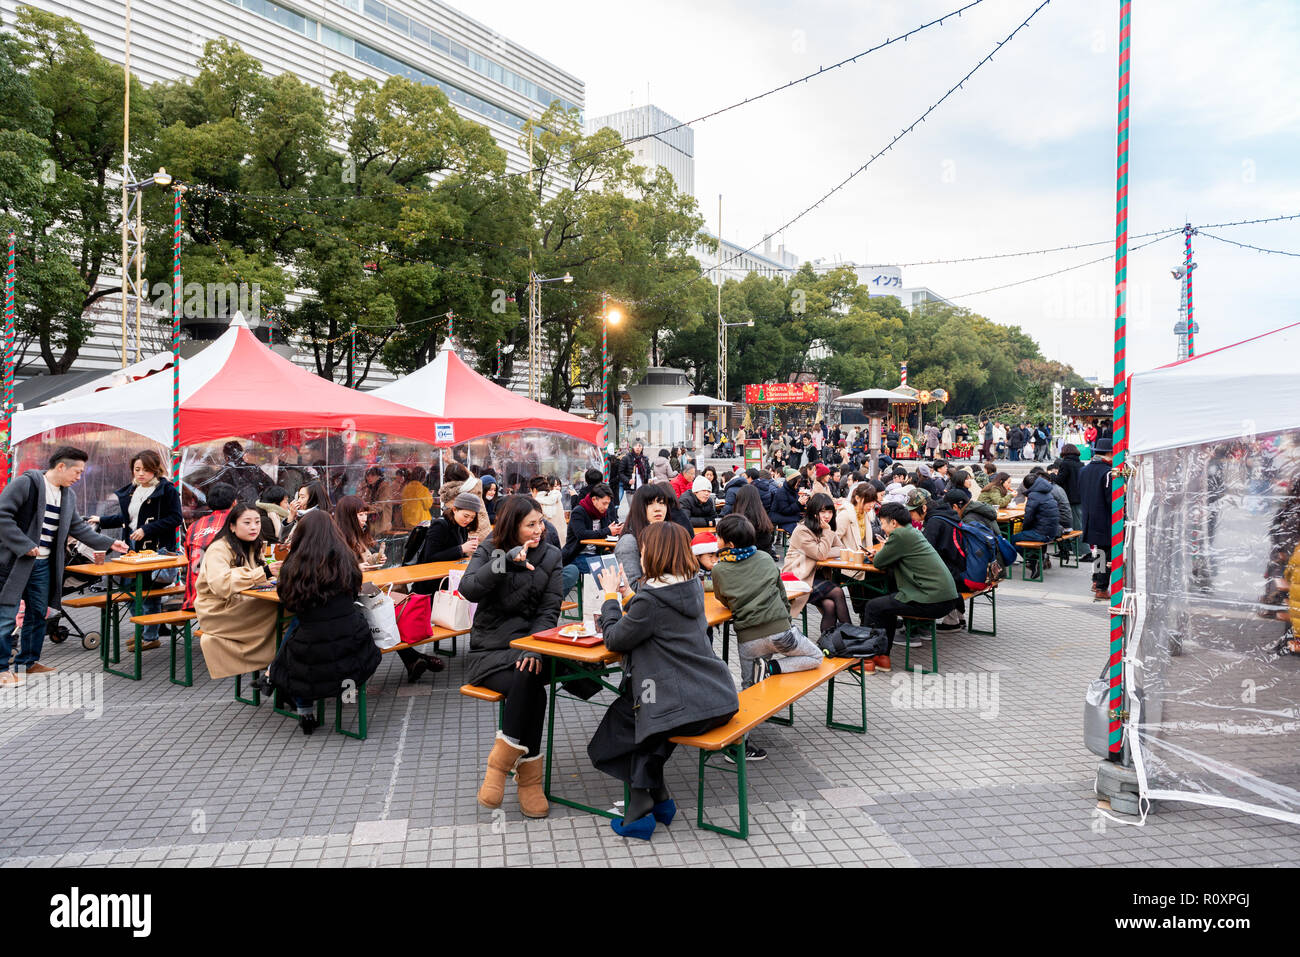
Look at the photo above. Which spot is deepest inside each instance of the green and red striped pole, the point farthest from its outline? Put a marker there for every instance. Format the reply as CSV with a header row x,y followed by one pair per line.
x,y
604,373
1120,411
177,289
9,362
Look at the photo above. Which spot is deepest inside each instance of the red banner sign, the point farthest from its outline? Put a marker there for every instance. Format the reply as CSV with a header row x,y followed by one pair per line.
x,y
781,392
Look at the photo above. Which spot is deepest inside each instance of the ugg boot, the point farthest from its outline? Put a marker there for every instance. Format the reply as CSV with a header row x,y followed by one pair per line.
x,y
501,762
532,797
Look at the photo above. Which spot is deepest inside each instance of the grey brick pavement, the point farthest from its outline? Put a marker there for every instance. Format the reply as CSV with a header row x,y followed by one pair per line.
x,y
177,777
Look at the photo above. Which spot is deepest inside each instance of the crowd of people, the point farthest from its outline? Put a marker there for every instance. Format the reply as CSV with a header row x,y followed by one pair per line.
x,y
753,538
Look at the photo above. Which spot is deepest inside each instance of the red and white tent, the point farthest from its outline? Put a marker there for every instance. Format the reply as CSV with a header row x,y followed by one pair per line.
x,y
234,387
466,406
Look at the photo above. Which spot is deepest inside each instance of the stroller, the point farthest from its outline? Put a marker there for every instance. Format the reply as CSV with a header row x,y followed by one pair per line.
x,y
60,626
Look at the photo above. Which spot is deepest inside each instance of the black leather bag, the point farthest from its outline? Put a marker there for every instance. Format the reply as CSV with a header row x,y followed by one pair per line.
x,y
854,641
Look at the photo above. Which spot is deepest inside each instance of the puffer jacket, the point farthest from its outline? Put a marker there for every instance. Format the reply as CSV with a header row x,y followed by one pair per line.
x,y
331,644
785,510
979,512
1068,467
512,603
1041,512
1062,506
662,470
700,513
729,493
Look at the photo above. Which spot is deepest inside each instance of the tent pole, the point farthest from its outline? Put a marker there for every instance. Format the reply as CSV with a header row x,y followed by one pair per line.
x,y
1120,409
8,362
176,346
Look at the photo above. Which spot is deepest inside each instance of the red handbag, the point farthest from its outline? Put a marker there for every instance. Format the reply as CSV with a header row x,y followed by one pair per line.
x,y
414,618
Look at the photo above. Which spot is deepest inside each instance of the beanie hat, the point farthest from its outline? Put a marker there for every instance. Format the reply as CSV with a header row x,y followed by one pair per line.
x,y
789,473
701,484
467,500
705,543
822,470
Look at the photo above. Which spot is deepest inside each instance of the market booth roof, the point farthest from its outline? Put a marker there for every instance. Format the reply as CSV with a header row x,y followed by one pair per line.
x,y
467,406
236,386
1249,387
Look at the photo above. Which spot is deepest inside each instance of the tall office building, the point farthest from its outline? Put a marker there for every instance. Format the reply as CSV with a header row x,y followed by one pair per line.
x,y
672,149
487,77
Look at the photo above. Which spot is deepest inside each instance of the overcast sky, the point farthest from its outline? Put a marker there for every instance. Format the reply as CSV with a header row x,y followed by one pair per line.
x,y
1022,158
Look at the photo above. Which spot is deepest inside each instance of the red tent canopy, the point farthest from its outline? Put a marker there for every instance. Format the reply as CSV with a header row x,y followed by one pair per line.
x,y
467,406
234,387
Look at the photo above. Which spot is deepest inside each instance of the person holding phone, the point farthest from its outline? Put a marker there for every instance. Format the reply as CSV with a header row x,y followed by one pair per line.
x,y
515,577
673,682
238,630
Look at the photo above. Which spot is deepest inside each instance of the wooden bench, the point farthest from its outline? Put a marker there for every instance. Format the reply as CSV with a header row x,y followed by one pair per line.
x,y
98,601
185,618
486,694
759,703
1024,568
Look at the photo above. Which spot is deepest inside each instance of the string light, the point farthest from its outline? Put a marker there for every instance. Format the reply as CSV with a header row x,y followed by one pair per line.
x,y
1259,249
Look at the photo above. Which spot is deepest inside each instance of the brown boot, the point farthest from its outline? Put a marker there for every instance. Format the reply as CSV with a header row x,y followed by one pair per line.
x,y
500,762
532,796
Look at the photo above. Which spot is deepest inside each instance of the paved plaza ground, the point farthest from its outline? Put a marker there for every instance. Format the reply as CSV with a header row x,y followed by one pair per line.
x,y
182,777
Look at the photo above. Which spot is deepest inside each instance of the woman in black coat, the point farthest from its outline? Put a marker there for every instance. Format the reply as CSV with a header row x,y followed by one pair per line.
x,y
331,643
449,538
787,510
518,595
149,515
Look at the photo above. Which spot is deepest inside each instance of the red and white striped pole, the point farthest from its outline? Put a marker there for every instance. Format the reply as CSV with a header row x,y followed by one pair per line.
x,y
902,373
1120,411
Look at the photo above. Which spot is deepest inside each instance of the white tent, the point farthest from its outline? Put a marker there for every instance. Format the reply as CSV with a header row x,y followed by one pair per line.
x,y
1212,523
1240,389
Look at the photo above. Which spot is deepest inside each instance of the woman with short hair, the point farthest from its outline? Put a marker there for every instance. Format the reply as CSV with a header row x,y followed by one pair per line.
x,y
650,504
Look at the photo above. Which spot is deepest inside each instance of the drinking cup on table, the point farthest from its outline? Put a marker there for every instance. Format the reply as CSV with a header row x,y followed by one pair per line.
x,y
99,557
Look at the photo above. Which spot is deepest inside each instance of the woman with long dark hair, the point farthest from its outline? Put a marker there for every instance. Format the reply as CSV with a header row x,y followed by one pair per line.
x,y
749,503
650,504
814,540
515,578
350,515
711,474
238,630
318,584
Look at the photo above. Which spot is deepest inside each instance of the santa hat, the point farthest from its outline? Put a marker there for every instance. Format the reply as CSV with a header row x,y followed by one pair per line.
x,y
705,543
792,584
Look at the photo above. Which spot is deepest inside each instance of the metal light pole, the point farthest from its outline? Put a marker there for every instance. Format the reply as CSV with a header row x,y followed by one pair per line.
x,y
535,331
722,326
607,316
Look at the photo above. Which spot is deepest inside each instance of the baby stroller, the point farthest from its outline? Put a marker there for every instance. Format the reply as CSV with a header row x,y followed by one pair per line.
x,y
61,625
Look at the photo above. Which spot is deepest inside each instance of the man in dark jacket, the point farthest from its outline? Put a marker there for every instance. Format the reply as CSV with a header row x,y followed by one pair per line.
x,y
1094,501
1068,468
786,509
1015,442
592,518
766,488
940,521
697,503
634,469
734,486
38,511
1042,521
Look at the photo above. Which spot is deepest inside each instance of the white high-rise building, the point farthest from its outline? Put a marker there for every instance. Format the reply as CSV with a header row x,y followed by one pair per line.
x,y
487,77
665,146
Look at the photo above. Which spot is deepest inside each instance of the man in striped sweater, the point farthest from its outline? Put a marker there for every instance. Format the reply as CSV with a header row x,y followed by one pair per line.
x,y
38,511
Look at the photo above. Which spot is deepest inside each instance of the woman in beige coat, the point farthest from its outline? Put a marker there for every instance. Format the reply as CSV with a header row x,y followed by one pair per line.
x,y
814,540
238,630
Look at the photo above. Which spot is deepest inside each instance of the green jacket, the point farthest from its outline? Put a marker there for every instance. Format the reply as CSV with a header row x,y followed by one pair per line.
x,y
753,591
981,477
919,572
995,496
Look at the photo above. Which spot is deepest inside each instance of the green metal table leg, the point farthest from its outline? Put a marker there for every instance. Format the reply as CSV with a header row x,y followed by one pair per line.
x,y
137,604
189,657
255,701
787,722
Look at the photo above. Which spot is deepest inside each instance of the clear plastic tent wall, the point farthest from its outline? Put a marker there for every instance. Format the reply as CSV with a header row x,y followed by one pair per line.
x,y
1214,565
291,458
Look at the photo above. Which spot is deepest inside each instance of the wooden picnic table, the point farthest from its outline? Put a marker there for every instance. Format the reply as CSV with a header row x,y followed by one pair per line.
x,y
600,542
110,652
399,575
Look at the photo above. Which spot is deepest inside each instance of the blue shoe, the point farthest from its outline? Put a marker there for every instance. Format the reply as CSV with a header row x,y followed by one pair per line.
x,y
641,828
665,811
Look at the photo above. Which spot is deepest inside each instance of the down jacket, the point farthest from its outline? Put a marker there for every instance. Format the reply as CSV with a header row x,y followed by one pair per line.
x,y
331,644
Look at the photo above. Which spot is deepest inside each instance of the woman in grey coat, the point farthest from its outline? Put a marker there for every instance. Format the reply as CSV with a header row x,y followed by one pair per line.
x,y
515,576
673,683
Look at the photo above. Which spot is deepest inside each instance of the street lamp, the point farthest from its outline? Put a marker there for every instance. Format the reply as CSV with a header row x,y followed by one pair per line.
x,y
607,316
535,329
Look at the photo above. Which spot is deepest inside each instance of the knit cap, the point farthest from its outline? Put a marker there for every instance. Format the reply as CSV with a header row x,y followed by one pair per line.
x,y
467,500
701,484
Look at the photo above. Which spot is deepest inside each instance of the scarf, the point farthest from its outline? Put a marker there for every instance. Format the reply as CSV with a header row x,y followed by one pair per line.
x,y
590,508
736,554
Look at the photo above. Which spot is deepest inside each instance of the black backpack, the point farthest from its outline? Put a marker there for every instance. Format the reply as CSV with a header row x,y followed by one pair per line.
x,y
414,542
854,641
